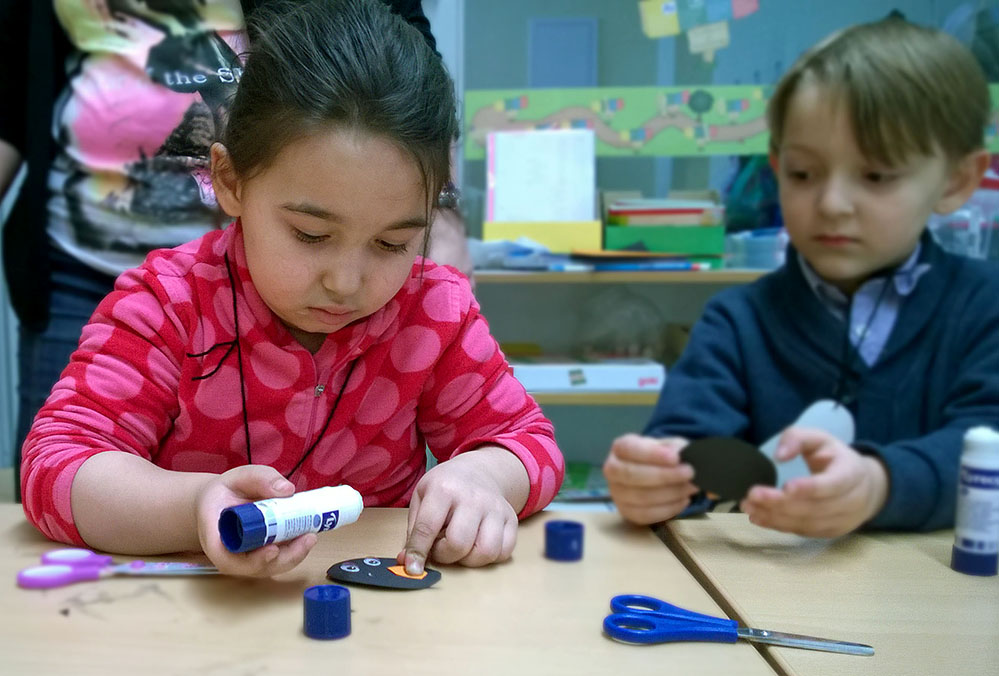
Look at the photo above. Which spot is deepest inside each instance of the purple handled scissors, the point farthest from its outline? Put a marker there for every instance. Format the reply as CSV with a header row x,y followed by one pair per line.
x,y
66,566
643,619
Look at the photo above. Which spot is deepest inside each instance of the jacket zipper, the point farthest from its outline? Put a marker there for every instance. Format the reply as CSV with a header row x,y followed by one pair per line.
x,y
317,395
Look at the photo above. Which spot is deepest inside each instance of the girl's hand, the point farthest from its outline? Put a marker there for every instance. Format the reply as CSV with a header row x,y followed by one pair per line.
x,y
458,514
646,479
237,486
846,489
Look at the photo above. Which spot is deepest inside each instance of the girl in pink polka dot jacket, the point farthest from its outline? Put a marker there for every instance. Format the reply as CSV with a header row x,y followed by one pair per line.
x,y
306,344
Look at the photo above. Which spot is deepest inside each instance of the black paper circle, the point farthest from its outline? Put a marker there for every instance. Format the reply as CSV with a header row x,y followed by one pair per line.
x,y
728,467
373,571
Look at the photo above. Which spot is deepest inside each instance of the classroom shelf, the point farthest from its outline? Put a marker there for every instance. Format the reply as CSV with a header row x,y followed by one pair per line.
x,y
636,277
596,398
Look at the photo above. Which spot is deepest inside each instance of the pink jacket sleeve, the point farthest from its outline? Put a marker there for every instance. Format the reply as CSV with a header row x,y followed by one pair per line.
x,y
473,400
118,393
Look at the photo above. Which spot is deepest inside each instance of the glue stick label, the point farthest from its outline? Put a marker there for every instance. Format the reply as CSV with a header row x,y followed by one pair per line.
x,y
309,512
977,522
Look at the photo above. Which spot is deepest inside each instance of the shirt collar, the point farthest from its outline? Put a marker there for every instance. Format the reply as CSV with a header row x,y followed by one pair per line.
x,y
904,279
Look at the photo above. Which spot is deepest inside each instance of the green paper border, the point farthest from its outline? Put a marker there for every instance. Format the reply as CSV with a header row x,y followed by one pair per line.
x,y
642,121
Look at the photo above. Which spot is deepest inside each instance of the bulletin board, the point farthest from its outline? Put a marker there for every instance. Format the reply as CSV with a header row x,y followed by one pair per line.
x,y
642,121
628,121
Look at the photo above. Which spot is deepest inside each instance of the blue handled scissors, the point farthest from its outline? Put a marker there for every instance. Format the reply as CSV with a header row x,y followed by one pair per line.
x,y
66,566
644,619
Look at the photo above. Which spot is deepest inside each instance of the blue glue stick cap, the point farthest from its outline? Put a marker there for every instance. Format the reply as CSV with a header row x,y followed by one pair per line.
x,y
564,540
973,563
327,611
242,528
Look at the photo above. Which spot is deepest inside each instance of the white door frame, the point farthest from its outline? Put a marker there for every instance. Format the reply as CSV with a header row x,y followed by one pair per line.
x,y
8,346
447,23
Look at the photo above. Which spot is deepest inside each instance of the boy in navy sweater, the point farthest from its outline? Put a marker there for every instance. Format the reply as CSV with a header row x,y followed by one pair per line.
x,y
872,130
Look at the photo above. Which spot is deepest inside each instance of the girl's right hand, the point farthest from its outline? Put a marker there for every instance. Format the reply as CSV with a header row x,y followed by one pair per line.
x,y
647,481
237,486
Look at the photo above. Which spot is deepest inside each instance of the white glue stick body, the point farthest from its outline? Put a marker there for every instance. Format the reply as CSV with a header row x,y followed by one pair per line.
x,y
976,527
247,527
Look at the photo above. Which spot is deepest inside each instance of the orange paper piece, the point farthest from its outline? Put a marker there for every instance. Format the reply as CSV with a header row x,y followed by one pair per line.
x,y
401,572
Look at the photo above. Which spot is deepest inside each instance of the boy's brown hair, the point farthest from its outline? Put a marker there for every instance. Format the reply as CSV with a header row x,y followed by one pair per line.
x,y
909,90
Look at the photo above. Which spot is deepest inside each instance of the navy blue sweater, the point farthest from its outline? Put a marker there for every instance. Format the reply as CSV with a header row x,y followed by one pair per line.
x,y
763,352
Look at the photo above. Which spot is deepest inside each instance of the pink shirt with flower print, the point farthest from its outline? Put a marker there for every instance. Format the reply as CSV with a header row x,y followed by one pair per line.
x,y
159,374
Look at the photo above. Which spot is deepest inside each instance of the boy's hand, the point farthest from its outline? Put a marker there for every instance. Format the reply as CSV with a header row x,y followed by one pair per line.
x,y
458,514
237,486
646,479
846,489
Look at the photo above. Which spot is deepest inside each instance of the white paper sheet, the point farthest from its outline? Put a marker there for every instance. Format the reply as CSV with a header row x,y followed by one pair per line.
x,y
547,175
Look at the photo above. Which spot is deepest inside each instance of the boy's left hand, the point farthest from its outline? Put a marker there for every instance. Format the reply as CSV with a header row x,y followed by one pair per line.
x,y
458,514
846,489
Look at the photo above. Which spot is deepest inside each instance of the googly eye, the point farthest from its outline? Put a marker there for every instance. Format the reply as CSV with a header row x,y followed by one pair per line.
x,y
350,567
373,562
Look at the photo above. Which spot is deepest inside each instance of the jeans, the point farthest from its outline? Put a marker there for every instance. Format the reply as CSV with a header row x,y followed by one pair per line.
x,y
76,291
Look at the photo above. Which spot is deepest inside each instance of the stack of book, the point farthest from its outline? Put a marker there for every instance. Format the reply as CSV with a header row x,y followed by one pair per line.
x,y
583,483
690,227
638,258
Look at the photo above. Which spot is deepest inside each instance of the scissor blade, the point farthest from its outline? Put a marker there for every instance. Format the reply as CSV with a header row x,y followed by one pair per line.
x,y
161,569
806,642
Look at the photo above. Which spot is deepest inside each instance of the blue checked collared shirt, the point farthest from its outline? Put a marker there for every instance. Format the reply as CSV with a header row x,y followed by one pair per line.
x,y
871,321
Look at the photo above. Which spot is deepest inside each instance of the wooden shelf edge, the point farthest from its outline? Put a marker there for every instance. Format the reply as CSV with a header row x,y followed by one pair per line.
x,y
595,398
659,277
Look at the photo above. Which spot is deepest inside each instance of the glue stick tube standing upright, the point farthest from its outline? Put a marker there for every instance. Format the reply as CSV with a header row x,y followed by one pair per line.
x,y
247,527
976,528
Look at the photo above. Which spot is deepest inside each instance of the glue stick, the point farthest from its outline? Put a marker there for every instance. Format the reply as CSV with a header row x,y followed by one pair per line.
x,y
247,527
976,528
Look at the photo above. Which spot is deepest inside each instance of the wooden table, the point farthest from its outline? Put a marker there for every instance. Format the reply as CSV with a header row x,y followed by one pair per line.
x,y
893,591
530,616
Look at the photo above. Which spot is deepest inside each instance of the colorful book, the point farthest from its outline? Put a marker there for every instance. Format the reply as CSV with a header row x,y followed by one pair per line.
x,y
708,217
644,211
583,483
692,240
645,205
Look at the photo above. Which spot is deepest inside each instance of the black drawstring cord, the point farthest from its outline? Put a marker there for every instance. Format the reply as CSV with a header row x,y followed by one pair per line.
x,y
239,360
235,344
231,344
847,376
329,419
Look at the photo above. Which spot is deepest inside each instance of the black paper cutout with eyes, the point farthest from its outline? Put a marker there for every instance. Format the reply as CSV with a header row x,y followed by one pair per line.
x,y
372,571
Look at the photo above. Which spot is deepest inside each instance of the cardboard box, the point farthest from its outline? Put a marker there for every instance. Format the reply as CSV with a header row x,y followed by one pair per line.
x,y
560,374
680,239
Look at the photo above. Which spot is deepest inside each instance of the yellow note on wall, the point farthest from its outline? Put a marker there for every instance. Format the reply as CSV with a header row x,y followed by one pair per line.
x,y
708,39
659,19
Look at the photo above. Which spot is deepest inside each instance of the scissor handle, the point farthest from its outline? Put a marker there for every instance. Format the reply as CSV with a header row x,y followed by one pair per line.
x,y
643,619
56,575
631,604
76,557
646,627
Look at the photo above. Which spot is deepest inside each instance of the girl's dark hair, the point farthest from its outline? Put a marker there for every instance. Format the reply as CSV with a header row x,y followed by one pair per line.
x,y
319,64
